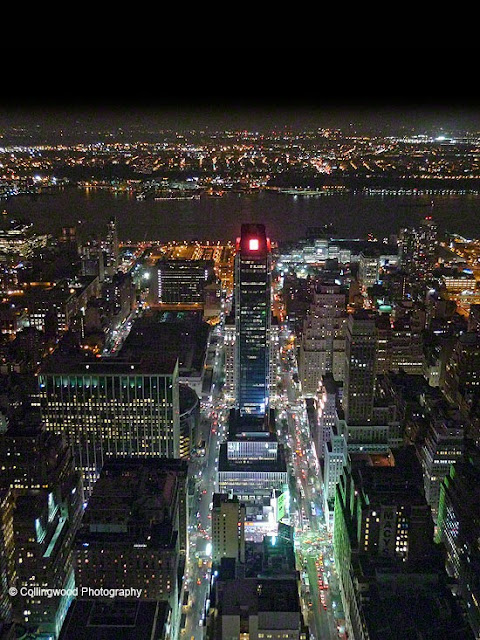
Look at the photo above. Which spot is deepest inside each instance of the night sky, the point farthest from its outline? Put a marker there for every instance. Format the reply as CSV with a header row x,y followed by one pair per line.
x,y
244,89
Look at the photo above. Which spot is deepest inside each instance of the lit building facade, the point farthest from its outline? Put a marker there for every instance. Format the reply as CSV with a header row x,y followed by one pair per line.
x,y
322,347
367,270
133,533
7,554
418,247
182,282
462,374
274,355
228,528
229,385
458,526
381,518
111,407
253,319
360,367
444,445
111,247
252,467
328,394
17,238
41,513
252,464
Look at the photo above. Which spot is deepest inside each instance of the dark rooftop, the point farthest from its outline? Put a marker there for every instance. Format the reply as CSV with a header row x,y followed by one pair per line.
x,y
115,618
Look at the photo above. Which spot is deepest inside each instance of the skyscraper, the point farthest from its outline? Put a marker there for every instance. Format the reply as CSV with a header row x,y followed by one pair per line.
x,y
41,498
133,533
111,407
252,463
360,363
182,282
323,339
390,570
252,319
229,386
112,247
458,518
228,528
418,247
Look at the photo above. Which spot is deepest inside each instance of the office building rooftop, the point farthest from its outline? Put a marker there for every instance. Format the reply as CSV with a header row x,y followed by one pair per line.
x,y
115,618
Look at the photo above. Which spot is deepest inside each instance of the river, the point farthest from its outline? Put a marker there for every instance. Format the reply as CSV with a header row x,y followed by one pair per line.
x,y
286,217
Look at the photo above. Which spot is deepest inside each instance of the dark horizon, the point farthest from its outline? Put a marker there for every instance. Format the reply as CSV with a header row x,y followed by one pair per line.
x,y
375,118
248,91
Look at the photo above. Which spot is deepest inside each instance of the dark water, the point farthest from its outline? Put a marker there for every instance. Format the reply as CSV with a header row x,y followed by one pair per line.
x,y
286,217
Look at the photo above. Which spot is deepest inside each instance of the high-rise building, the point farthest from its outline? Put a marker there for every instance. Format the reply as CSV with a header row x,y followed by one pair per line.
x,y
331,446
367,269
474,318
253,319
360,367
111,247
190,431
274,356
111,407
326,401
418,247
42,500
462,373
335,460
229,385
175,334
252,467
182,282
118,294
390,570
92,260
7,554
230,370
252,464
443,446
459,528
228,528
133,533
322,347
405,348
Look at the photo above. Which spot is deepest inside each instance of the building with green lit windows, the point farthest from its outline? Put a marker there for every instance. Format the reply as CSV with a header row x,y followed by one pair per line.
x,y
391,573
41,506
111,407
459,528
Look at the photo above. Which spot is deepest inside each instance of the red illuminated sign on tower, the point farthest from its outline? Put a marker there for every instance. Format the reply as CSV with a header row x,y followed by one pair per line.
x,y
253,244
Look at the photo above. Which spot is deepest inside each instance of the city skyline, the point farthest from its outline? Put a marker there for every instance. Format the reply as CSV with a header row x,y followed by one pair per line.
x,y
259,340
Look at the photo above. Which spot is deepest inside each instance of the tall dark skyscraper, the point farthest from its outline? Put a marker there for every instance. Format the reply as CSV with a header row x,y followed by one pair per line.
x,y
112,246
252,464
252,319
360,362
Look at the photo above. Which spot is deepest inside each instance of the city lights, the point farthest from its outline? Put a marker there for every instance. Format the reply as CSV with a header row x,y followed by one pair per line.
x,y
265,438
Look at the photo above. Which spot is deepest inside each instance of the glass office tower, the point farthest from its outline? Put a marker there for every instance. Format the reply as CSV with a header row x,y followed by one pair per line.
x,y
111,407
252,319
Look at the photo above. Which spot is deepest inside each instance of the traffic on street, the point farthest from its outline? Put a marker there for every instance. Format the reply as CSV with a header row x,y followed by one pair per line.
x,y
321,601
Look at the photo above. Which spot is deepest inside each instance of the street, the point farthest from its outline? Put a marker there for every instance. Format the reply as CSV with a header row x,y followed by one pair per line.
x,y
321,601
